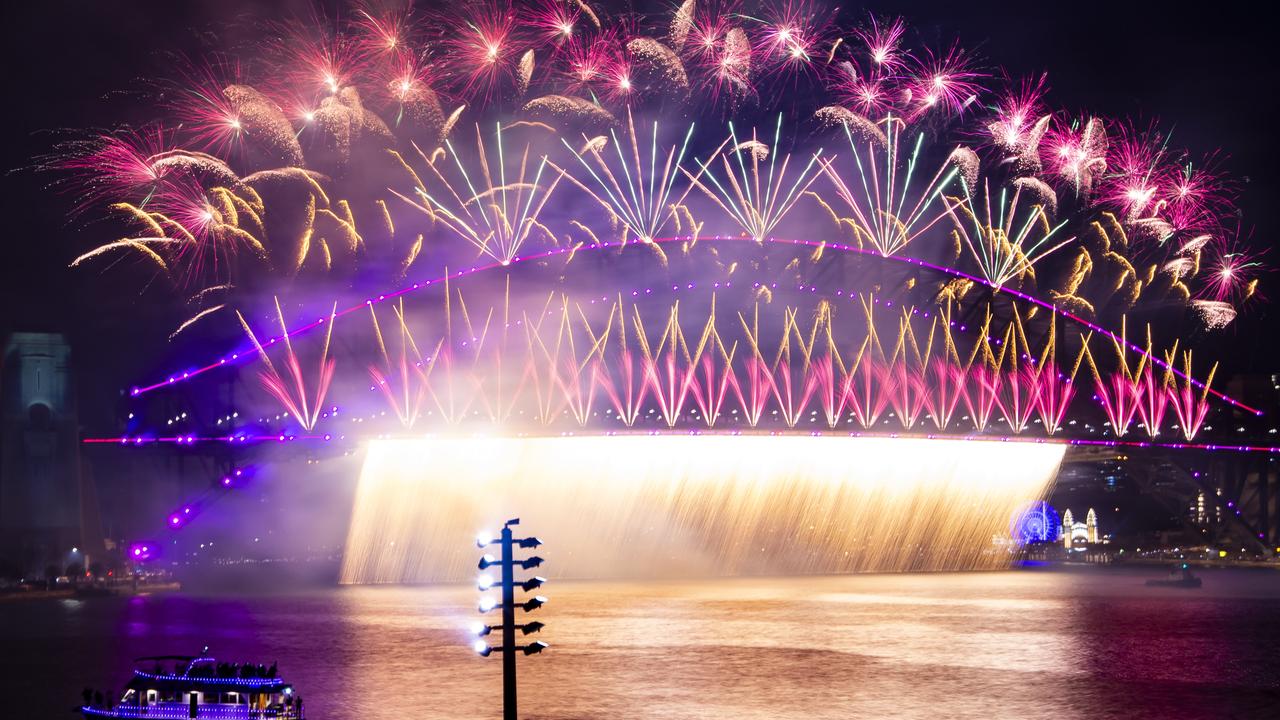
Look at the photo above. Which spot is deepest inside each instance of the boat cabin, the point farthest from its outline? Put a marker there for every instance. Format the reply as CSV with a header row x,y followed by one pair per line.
x,y
202,688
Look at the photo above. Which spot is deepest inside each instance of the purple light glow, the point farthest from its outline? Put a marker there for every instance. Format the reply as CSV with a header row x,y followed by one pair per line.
x,y
143,551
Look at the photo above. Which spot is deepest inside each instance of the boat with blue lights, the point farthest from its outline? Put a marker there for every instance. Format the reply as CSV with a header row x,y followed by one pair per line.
x,y
178,686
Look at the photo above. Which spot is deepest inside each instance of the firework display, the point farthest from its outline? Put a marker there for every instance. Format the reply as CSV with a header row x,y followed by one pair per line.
x,y
695,505
561,363
961,249
353,148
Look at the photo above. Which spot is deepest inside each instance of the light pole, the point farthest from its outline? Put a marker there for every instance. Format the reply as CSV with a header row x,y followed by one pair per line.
x,y
508,585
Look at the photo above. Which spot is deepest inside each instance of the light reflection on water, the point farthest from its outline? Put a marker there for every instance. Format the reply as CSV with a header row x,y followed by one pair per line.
x,y
978,645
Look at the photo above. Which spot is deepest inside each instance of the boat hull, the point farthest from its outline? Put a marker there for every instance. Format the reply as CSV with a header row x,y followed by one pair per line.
x,y
1188,583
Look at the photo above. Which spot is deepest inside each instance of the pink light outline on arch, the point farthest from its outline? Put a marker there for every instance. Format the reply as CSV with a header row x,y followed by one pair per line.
x,y
972,437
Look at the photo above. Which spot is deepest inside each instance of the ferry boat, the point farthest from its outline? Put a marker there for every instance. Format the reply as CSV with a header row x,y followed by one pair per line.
x,y
176,686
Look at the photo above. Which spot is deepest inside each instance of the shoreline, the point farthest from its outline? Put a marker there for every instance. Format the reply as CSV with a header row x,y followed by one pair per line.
x,y
1066,566
87,592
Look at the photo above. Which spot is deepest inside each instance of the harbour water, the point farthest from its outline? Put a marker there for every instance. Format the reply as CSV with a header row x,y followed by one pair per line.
x,y
1021,644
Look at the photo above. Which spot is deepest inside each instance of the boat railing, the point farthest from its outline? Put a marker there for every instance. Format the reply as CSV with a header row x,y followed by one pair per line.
x,y
182,711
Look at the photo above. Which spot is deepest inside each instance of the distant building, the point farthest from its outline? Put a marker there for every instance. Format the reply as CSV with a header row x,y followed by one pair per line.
x,y
1202,515
1076,533
42,493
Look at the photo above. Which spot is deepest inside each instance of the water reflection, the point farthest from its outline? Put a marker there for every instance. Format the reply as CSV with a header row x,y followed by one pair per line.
x,y
981,645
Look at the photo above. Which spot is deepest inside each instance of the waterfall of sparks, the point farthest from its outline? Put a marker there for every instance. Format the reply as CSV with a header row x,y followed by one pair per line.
x,y
685,505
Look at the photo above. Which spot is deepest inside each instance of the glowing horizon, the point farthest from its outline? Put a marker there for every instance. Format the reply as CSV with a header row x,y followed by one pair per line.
x,y
679,506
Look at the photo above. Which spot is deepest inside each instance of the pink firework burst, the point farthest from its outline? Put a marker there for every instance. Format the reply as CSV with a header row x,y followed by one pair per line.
x,y
731,68
299,107
1197,196
182,200
1076,153
869,95
1017,113
585,63
484,48
1232,273
944,81
706,36
618,77
182,211
204,108
321,61
116,164
718,54
883,41
790,34
404,76
556,22
380,36
1137,174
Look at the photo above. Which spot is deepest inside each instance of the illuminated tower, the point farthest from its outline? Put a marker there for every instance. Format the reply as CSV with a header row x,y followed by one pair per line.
x,y
1067,522
1091,526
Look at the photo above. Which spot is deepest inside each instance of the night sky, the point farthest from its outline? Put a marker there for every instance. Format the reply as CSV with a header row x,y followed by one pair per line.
x,y
1208,74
